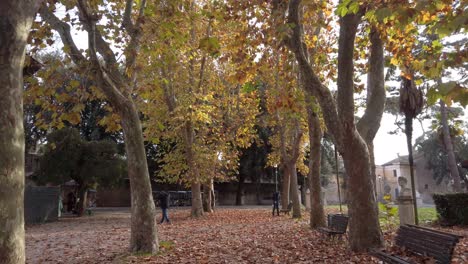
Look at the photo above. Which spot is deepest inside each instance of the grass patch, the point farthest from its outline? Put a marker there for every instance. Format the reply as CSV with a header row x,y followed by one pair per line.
x,y
426,215
166,245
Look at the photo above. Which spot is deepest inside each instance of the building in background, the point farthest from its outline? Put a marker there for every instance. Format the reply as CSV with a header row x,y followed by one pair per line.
x,y
387,178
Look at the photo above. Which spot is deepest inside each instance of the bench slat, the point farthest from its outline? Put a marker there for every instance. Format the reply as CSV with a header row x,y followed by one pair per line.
x,y
423,241
388,258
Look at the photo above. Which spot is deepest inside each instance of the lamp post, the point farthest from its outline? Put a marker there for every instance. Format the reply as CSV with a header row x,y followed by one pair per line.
x,y
276,177
380,186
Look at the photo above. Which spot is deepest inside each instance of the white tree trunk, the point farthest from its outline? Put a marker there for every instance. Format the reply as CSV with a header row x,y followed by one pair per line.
x,y
16,18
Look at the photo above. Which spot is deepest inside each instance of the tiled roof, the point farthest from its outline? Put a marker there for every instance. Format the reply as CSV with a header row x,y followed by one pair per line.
x,y
400,160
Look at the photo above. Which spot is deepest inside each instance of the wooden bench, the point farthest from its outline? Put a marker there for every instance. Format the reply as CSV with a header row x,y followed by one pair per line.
x,y
422,241
337,225
287,210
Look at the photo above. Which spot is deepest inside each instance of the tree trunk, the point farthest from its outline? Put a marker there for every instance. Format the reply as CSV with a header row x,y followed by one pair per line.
x,y
296,209
197,206
213,197
258,187
15,22
409,144
285,187
370,147
118,89
82,195
317,214
364,230
452,163
207,197
143,229
338,115
240,189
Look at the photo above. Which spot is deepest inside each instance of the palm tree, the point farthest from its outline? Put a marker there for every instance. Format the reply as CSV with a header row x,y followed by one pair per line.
x,y
411,104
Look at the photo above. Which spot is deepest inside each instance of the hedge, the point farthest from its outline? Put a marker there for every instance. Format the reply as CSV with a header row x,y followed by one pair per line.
x,y
452,209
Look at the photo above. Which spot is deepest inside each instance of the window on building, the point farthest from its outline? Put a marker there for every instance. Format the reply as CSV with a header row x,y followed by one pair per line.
x,y
394,173
426,186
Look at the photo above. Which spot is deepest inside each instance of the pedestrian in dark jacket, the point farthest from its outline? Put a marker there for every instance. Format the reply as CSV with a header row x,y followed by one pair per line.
x,y
164,204
276,198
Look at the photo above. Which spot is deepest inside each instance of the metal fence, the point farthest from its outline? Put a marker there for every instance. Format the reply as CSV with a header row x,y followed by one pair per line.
x,y
41,204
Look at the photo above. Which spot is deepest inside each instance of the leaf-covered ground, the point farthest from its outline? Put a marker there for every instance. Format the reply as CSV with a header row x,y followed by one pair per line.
x,y
230,235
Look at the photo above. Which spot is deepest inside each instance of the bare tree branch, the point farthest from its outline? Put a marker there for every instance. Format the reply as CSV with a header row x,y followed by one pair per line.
x,y
134,31
369,124
311,82
127,23
63,29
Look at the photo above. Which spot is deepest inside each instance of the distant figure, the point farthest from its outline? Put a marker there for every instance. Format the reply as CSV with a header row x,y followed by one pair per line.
x,y
164,204
276,198
71,200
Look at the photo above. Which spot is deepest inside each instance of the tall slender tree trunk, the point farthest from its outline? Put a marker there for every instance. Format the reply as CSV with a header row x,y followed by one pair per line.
x,y
197,202
82,195
285,186
296,209
143,237
16,18
364,231
197,206
240,189
409,144
207,196
452,163
317,214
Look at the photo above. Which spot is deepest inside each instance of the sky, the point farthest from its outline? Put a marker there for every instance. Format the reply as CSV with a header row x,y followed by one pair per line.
x,y
386,146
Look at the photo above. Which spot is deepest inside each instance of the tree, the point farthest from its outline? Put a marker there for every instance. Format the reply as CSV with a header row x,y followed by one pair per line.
x,y
351,139
88,163
57,96
317,213
206,111
433,144
16,18
452,163
117,81
411,104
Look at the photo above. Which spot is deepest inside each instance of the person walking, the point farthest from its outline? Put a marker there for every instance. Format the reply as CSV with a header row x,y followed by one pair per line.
x,y
164,199
276,198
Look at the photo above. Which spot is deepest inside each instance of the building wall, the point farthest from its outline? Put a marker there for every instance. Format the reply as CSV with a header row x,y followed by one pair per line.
x,y
389,179
424,181
426,185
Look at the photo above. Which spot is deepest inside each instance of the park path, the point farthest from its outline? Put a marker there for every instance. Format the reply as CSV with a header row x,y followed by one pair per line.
x,y
230,235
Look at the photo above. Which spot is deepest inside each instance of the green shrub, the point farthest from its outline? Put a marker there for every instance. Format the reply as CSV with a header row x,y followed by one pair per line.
x,y
452,209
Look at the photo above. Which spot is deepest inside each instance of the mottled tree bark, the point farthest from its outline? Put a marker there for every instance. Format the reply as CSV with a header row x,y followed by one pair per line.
x,y
285,188
296,209
15,22
317,213
143,229
197,206
208,196
452,162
